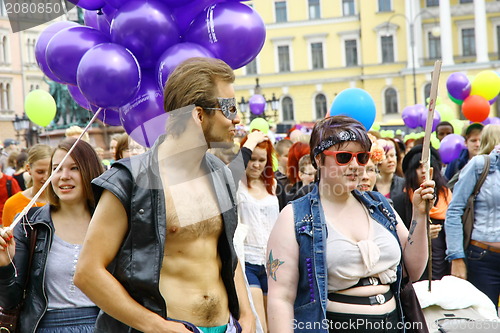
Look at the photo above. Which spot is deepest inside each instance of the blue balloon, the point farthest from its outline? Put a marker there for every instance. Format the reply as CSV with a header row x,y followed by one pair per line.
x,y
355,103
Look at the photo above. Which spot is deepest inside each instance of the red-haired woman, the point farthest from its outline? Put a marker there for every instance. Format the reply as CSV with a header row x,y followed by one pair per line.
x,y
258,209
297,150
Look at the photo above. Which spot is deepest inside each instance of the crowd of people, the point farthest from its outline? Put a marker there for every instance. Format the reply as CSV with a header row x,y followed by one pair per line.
x,y
209,232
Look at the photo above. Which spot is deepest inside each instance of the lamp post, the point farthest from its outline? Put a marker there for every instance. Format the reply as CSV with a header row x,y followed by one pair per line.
x,y
30,130
270,105
411,25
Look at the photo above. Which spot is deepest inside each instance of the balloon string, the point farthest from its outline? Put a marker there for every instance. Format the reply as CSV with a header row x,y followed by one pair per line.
x,y
47,182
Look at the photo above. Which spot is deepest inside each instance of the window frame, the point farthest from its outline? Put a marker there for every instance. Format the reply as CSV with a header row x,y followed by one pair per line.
x,y
343,3
316,115
386,105
282,115
276,11
318,10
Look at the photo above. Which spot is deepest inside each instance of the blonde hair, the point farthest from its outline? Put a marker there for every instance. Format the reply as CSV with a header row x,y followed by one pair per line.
x,y
75,131
490,137
36,153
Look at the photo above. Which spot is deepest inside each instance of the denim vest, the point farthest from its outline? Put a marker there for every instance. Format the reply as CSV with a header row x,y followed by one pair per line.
x,y
311,234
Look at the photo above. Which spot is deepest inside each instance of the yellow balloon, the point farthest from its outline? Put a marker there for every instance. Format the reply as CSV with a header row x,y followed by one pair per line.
x,y
40,107
486,84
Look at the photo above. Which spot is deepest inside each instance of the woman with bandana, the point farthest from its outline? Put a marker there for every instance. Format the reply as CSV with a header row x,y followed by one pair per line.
x,y
334,255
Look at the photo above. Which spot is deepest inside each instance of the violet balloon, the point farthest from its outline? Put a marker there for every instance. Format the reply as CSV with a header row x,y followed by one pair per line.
x,y
144,118
89,4
435,121
233,31
67,47
147,29
458,85
108,116
257,104
108,75
174,56
450,148
90,18
185,14
493,100
41,46
116,3
411,117
177,3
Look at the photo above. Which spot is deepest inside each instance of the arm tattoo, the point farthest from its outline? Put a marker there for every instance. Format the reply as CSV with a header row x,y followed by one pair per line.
x,y
273,265
412,229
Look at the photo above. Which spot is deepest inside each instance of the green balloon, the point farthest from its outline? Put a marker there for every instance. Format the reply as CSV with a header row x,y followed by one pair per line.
x,y
454,100
446,112
458,125
40,107
259,124
375,127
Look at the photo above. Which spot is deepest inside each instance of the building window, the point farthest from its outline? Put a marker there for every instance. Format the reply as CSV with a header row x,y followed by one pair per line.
x,y
3,11
284,58
4,96
280,9
466,1
498,46
432,3
434,46
251,67
314,10
348,7
427,92
351,52
384,5
317,55
391,101
387,45
468,42
3,49
320,104
287,107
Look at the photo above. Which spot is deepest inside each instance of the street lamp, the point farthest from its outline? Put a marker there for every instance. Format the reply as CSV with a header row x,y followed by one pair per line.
x,y
271,105
24,124
411,23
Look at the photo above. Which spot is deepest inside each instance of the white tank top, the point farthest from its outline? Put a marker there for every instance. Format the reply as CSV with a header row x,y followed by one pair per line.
x,y
349,261
259,216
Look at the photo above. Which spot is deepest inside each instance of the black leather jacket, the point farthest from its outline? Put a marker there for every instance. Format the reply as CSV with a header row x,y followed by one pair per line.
x,y
137,184
11,287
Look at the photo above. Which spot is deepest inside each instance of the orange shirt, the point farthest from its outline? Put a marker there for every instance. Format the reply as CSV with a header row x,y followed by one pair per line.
x,y
14,205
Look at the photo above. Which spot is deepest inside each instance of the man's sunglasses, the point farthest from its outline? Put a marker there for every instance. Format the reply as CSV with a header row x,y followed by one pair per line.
x,y
345,157
227,106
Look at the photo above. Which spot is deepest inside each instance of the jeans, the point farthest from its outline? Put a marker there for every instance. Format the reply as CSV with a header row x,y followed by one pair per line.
x,y
77,320
483,271
256,276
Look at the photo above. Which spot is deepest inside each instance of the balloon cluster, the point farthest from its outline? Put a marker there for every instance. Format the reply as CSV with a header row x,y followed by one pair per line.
x,y
120,60
416,115
476,95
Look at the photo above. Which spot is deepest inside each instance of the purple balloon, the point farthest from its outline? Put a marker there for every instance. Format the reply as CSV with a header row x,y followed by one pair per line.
x,y
450,148
257,104
435,121
90,18
145,28
177,3
492,121
41,46
233,31
174,56
108,75
458,85
144,118
116,3
492,101
108,116
411,117
185,14
67,47
89,4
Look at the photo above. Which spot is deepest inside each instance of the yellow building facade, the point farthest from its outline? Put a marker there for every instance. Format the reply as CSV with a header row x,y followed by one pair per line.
x,y
314,49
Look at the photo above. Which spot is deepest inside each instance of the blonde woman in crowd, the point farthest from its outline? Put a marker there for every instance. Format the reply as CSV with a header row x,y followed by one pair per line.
x,y
37,166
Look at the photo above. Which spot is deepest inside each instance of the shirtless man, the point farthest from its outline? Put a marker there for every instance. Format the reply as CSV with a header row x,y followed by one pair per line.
x,y
159,255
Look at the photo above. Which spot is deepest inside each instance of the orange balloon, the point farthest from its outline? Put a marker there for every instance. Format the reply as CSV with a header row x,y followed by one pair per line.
x,y
476,108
